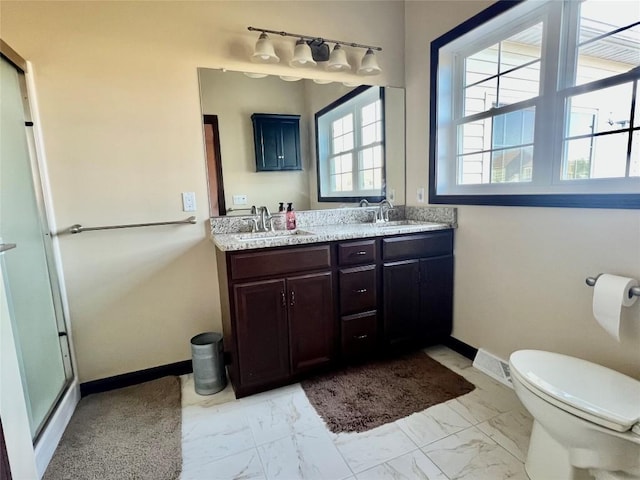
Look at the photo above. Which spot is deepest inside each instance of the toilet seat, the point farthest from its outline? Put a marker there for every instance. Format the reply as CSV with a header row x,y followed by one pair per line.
x,y
587,390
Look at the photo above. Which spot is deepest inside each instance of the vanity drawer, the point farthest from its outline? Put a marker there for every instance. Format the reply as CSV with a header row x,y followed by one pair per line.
x,y
357,289
416,246
279,262
355,253
359,334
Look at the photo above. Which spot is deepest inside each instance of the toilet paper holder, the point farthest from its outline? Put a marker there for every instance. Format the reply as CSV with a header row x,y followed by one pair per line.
x,y
633,291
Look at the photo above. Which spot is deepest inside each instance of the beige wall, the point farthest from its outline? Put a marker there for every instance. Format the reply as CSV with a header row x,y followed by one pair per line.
x,y
119,102
519,278
118,91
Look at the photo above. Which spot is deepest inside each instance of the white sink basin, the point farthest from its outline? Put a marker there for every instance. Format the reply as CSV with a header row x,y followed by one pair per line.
x,y
275,235
396,224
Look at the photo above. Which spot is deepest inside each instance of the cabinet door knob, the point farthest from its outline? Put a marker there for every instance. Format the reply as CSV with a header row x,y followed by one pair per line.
x,y
360,337
293,298
360,290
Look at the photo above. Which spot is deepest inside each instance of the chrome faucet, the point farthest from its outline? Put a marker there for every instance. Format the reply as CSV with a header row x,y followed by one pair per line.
x,y
265,223
363,203
383,211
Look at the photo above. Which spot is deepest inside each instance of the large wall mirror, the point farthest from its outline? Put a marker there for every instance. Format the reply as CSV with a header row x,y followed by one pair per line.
x,y
230,99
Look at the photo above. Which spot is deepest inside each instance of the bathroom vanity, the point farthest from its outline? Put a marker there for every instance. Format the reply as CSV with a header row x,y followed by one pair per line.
x,y
298,302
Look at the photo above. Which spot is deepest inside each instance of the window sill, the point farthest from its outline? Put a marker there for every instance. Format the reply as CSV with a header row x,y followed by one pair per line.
x,y
615,201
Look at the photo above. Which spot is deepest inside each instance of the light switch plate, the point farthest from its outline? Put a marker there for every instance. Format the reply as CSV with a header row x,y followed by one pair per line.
x,y
420,195
188,201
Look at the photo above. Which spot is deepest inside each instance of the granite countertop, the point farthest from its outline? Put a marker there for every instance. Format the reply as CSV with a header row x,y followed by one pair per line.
x,y
320,233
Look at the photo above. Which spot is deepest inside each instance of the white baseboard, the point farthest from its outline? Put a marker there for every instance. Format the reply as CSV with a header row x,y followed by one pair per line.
x,y
51,435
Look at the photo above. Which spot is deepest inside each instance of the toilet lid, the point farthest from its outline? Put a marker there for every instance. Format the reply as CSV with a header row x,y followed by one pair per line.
x,y
586,389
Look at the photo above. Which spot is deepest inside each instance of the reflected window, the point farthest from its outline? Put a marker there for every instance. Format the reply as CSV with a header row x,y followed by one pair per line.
x,y
350,147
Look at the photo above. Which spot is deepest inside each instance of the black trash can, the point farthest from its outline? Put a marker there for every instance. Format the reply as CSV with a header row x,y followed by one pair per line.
x,y
207,354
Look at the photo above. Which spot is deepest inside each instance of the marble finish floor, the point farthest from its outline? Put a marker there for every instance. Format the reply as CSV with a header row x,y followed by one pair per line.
x,y
279,435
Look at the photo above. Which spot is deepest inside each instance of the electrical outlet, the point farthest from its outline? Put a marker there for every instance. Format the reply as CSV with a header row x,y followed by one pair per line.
x,y
392,195
239,199
188,201
420,195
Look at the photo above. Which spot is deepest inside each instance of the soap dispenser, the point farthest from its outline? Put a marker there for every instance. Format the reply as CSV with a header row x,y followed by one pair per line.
x,y
291,217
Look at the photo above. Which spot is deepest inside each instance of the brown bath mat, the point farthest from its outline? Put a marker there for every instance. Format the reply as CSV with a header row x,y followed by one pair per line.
x,y
363,397
132,433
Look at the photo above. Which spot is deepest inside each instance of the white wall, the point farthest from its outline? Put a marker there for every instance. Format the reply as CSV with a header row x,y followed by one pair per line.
x,y
120,111
519,278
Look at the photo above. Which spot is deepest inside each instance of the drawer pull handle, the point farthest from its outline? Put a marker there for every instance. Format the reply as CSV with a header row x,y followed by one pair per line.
x,y
361,252
284,298
361,290
293,298
360,337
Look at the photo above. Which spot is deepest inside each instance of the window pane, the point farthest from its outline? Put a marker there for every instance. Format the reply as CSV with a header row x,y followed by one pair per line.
x,y
336,128
366,158
513,128
377,156
521,48
611,54
600,111
371,157
370,133
512,165
474,169
481,65
371,113
366,179
604,156
506,130
481,97
519,85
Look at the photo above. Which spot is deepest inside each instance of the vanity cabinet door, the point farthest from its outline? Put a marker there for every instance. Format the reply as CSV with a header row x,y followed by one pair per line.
x,y
436,297
312,322
401,295
262,332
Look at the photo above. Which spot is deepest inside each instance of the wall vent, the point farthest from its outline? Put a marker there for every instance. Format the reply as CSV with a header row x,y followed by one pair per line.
x,y
493,366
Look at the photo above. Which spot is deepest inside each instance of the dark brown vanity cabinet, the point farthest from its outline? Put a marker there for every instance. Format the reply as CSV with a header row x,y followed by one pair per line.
x,y
278,314
289,311
417,274
358,280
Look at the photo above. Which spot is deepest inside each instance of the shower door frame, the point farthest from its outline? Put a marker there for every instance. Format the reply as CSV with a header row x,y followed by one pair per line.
x,y
50,431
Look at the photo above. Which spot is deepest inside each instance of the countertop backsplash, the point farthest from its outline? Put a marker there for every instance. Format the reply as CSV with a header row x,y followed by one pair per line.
x,y
310,218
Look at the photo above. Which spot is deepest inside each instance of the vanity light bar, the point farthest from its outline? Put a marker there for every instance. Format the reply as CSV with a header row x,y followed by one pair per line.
x,y
310,38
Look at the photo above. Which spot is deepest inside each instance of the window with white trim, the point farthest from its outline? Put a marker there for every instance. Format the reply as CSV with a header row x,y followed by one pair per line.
x,y
350,147
538,103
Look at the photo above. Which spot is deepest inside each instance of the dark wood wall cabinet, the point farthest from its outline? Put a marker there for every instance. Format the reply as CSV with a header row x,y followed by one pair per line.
x,y
277,142
291,311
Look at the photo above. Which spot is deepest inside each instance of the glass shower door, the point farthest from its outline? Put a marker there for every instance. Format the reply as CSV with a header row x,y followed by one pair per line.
x,y
29,275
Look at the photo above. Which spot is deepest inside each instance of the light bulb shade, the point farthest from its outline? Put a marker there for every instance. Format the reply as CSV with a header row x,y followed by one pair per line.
x,y
302,56
264,51
369,64
338,60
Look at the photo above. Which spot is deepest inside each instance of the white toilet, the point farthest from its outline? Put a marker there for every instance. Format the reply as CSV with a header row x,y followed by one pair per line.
x,y
586,417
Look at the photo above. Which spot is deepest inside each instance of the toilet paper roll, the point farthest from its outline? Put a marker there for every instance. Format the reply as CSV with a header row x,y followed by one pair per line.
x,y
610,294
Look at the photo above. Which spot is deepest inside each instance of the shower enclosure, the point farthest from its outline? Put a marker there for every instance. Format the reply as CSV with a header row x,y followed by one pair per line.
x,y
31,285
